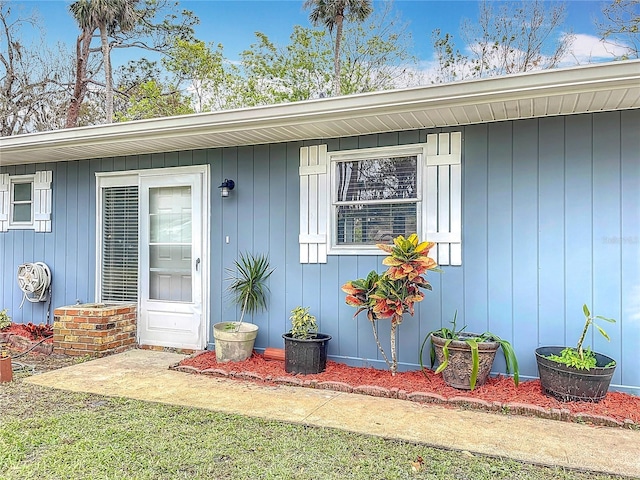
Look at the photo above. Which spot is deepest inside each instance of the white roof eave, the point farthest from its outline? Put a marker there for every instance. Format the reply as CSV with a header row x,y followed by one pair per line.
x,y
599,87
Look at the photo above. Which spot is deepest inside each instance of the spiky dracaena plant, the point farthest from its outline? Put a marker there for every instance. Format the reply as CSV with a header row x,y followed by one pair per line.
x,y
393,293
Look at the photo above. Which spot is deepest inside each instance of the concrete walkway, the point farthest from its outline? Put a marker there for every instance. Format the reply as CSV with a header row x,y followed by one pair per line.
x,y
144,375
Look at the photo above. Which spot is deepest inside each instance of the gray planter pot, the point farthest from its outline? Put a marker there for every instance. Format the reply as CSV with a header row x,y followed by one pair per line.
x,y
570,384
458,372
232,346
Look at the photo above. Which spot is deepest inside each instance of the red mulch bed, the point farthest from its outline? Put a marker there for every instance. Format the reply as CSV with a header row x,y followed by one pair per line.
x,y
498,394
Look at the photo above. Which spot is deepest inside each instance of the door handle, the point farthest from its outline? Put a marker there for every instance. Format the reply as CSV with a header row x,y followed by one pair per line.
x,y
197,263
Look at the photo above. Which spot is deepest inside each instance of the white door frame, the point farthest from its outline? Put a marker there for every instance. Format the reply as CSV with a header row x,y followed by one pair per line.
x,y
134,177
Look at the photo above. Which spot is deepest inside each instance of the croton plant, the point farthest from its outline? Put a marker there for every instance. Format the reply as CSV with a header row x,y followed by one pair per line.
x,y
393,293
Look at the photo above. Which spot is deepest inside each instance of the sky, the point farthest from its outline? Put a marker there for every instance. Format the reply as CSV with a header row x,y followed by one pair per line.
x,y
233,22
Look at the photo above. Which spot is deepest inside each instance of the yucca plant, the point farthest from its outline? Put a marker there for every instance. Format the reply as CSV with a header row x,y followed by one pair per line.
x,y
451,334
248,286
394,292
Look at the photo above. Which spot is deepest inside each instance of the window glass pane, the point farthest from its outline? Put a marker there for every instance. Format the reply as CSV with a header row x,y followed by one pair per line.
x,y
376,179
22,212
377,223
22,192
120,244
170,244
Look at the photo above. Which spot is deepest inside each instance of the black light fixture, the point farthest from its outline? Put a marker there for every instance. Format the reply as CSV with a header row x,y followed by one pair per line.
x,y
226,187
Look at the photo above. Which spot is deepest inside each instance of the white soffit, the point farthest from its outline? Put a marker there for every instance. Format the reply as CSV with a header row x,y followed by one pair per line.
x,y
593,88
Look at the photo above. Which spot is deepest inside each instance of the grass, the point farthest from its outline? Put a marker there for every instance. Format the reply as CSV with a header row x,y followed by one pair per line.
x,y
51,434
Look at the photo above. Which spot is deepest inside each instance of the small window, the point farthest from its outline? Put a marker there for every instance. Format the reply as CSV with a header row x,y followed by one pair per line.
x,y
350,200
375,199
21,208
25,202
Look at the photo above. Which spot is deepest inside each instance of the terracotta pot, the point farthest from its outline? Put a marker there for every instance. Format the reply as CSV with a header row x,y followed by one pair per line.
x,y
458,373
6,371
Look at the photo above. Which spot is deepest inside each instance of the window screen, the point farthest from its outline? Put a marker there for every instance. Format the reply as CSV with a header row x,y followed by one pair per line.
x,y
375,199
120,244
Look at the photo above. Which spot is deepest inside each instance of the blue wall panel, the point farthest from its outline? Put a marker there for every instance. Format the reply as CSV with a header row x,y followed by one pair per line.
x,y
551,220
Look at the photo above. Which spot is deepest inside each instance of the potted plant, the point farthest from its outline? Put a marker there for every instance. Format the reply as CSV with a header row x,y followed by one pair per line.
x,y
465,359
573,373
305,350
393,293
248,289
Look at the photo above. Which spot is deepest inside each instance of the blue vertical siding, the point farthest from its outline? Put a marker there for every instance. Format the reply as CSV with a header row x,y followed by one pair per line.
x,y
551,220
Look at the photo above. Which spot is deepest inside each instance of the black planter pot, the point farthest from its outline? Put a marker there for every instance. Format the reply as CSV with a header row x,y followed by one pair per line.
x,y
570,384
305,355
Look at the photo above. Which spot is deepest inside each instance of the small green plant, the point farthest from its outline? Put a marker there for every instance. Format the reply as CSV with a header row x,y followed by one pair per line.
x,y
578,357
303,324
248,286
5,319
451,334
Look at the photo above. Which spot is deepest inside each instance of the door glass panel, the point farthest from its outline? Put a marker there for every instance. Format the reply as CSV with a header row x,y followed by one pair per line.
x,y
170,245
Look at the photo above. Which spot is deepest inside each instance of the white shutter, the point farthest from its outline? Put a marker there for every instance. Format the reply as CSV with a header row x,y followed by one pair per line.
x,y
42,201
443,209
4,202
314,176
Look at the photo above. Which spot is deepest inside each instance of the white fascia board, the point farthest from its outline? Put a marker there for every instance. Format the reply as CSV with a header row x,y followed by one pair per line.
x,y
530,85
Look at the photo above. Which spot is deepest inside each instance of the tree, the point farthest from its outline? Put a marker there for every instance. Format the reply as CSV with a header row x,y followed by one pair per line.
x,y
204,67
377,54
508,38
107,16
621,27
32,77
151,99
332,13
157,24
299,71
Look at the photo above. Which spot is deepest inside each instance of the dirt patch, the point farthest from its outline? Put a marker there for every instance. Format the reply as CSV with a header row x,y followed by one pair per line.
x,y
498,394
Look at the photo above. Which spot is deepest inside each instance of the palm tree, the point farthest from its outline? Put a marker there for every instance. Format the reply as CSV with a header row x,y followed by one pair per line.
x,y
331,13
107,16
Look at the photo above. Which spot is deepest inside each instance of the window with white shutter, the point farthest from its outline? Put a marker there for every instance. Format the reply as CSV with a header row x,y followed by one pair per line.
x,y
352,200
25,202
119,278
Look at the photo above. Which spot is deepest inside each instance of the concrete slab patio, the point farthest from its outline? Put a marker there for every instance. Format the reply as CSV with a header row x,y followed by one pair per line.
x,y
144,375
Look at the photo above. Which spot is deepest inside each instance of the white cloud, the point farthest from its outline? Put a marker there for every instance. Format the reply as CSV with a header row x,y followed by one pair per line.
x,y
590,48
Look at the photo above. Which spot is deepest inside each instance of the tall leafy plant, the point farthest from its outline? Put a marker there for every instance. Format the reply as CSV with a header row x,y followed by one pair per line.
x,y
248,286
393,293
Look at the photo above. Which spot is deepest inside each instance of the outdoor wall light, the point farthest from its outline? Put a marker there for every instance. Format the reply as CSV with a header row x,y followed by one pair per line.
x,y
226,187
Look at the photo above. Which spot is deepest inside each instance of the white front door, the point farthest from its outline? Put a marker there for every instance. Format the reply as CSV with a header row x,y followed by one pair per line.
x,y
171,260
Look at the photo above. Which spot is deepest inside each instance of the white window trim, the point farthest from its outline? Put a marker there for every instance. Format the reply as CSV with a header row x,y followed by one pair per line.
x,y
439,182
417,149
13,181
129,178
41,206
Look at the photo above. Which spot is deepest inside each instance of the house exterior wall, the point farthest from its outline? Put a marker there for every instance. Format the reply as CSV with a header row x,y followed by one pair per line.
x,y
551,220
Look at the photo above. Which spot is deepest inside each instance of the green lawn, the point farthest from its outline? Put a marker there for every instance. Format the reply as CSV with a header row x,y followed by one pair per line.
x,y
50,434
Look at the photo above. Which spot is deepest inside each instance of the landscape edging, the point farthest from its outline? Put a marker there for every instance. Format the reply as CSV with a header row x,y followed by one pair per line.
x,y
459,401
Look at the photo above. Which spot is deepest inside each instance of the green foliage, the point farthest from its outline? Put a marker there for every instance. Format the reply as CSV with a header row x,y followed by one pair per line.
x,y
578,357
451,334
570,357
303,324
5,319
151,100
248,286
